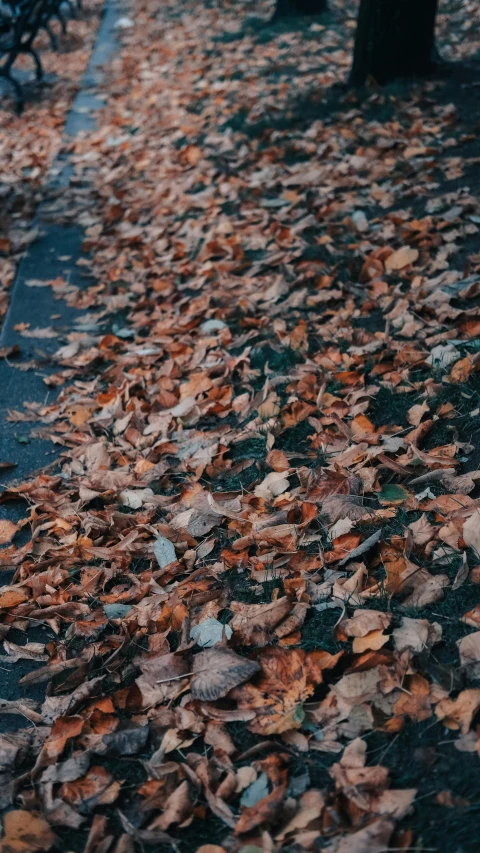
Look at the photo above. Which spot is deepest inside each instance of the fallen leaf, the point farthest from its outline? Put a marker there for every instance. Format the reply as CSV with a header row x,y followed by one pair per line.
x,y
459,713
217,671
255,792
7,531
422,530
416,634
402,258
177,809
461,575
469,650
287,679
461,370
274,484
471,532
374,838
254,624
310,808
393,495
472,617
210,848
210,632
263,812
30,651
363,548
24,832
96,788
11,598
443,355
164,551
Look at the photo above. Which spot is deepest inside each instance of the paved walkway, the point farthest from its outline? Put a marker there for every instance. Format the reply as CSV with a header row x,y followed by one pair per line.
x,y
54,254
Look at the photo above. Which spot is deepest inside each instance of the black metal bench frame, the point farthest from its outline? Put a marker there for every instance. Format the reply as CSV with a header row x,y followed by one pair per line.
x,y
19,27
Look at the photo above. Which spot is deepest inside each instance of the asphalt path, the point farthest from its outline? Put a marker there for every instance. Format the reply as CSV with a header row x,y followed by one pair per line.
x,y
53,254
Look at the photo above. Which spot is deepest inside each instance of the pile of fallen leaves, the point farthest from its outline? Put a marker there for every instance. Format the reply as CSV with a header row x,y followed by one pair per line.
x,y
30,142
258,560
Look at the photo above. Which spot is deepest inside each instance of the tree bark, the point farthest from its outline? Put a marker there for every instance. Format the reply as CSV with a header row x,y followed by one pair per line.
x,y
291,8
394,38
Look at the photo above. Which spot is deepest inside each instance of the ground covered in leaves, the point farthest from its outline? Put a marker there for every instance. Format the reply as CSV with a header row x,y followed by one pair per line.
x,y
249,607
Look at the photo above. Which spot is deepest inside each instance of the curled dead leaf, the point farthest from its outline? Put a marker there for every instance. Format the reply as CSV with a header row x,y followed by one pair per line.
x,y
459,713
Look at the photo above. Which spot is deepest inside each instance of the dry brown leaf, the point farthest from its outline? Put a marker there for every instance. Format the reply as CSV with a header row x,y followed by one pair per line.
x,y
7,531
416,634
350,589
310,808
472,617
469,650
372,640
24,832
217,671
30,651
471,531
287,679
162,677
463,483
177,809
363,622
363,548
395,803
373,838
211,848
354,779
11,598
402,258
459,713
461,370
461,575
254,624
293,622
274,484
343,506
263,812
416,413
97,788
422,530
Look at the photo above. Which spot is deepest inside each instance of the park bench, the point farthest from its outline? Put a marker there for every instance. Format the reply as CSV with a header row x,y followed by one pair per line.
x,y
20,24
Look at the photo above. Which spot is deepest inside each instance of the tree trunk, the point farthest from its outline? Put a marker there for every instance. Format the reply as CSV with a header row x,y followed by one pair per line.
x,y
291,8
394,38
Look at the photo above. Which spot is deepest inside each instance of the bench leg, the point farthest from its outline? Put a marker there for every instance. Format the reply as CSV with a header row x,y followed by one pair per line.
x,y
52,37
28,48
62,20
38,65
19,99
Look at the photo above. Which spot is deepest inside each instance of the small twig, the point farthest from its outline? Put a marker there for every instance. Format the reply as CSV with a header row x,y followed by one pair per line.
x,y
388,747
178,677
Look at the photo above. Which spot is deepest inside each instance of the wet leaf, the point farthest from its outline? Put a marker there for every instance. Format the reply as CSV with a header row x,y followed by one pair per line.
x,y
164,551
392,495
